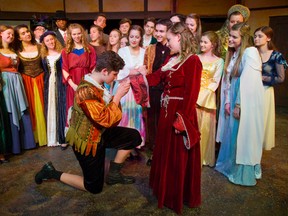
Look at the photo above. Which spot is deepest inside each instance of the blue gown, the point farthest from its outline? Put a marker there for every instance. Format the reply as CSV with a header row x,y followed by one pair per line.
x,y
238,173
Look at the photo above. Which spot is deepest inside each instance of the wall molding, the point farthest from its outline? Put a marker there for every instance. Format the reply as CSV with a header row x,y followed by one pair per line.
x,y
85,16
268,8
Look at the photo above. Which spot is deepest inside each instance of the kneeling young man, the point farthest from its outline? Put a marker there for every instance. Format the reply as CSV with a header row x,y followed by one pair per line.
x,y
93,128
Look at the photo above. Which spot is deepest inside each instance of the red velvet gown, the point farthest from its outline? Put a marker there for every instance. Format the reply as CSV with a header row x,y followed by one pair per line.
x,y
175,175
77,64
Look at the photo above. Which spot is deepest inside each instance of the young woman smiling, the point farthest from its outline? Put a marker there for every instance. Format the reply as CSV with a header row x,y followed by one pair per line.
x,y
241,148
15,99
54,89
78,59
33,78
133,56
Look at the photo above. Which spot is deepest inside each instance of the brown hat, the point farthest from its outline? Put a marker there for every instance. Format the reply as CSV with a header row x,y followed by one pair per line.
x,y
244,11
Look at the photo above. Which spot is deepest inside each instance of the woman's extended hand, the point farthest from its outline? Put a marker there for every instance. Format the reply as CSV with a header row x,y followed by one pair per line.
x,y
73,86
143,70
227,109
236,112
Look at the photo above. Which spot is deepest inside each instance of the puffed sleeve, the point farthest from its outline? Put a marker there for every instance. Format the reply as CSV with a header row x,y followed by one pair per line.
x,y
217,76
122,52
91,102
207,96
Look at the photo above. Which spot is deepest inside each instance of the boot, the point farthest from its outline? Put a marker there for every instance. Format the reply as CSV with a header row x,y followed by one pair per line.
x,y
114,176
47,172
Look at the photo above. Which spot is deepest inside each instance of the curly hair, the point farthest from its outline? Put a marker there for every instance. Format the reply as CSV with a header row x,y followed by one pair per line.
x,y
70,42
18,46
44,50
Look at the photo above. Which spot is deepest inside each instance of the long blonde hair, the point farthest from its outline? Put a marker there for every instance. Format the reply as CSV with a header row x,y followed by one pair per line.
x,y
246,42
44,49
70,43
188,42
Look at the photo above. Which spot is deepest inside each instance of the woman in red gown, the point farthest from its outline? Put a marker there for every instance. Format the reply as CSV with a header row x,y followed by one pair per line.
x,y
176,167
78,58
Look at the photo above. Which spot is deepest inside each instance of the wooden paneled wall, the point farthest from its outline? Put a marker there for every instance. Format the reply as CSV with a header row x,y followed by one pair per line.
x,y
137,9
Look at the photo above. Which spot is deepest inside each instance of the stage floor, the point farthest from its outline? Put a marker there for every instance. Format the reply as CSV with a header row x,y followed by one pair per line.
x,y
19,195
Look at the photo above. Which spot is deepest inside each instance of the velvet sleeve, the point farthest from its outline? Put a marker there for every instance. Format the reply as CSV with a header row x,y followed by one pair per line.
x,y
92,104
154,78
192,78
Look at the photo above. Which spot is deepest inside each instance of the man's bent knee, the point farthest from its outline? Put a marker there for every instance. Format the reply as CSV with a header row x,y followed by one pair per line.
x,y
93,188
135,137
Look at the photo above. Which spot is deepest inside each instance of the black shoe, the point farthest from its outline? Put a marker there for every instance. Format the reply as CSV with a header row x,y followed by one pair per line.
x,y
132,157
64,147
45,173
149,162
115,177
119,179
3,160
